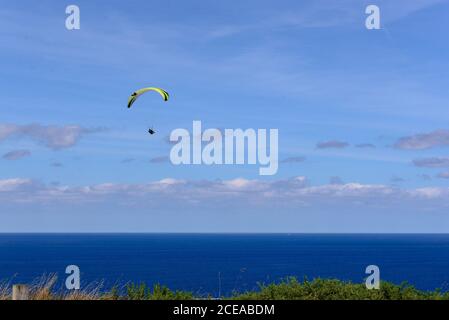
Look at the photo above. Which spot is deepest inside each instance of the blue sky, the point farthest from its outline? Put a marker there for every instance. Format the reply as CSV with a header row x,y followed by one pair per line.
x,y
362,116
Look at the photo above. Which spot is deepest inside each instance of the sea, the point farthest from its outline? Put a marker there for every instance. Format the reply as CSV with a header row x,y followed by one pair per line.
x,y
219,264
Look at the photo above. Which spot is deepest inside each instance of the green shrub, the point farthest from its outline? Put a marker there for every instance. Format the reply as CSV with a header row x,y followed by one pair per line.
x,y
332,289
142,292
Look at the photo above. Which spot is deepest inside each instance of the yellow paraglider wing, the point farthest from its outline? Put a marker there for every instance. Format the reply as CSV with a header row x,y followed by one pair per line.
x,y
133,97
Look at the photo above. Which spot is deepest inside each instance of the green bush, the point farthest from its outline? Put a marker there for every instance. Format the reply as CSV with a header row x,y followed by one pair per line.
x,y
142,292
332,289
287,289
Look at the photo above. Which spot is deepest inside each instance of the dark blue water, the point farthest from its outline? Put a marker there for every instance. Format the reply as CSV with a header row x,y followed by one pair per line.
x,y
194,261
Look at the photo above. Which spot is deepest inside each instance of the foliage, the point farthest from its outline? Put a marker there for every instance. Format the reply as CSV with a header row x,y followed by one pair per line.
x,y
287,289
333,289
142,292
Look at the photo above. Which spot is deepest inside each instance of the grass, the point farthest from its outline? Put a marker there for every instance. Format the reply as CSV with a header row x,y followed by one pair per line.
x,y
287,289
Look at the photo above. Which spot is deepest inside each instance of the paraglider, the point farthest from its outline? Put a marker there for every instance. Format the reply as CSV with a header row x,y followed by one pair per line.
x,y
136,94
133,97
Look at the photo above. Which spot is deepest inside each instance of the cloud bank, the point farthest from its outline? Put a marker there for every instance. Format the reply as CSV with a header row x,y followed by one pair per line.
x,y
285,192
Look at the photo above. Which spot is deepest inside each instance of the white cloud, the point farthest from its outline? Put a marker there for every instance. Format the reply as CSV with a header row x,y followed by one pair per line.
x,y
17,184
168,181
53,137
237,183
239,191
332,144
6,130
443,175
438,138
365,145
431,192
161,159
296,159
432,162
16,154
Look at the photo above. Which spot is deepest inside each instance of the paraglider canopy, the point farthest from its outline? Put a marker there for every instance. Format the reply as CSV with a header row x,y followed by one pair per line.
x,y
133,97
